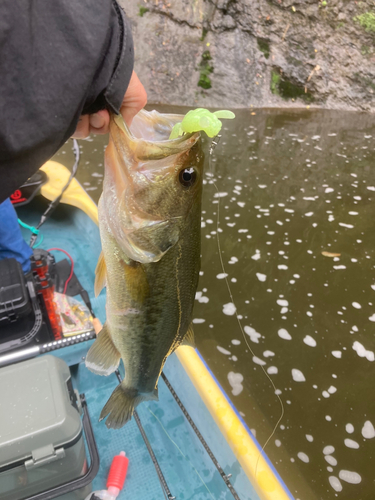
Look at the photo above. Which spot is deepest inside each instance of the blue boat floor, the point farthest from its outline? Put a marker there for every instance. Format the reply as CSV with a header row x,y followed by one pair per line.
x,y
187,468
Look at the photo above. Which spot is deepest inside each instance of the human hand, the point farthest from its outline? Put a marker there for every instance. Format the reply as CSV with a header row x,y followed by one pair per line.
x,y
134,100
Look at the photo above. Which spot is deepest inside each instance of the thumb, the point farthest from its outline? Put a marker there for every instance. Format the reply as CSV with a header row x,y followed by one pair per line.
x,y
134,100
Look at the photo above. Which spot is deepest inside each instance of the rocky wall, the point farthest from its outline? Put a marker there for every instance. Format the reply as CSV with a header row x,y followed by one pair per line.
x,y
244,53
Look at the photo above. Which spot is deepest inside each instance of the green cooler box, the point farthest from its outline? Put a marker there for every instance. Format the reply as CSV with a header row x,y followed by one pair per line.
x,y
41,441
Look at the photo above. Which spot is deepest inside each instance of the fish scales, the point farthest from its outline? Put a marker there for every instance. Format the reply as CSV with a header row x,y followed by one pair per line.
x,y
149,218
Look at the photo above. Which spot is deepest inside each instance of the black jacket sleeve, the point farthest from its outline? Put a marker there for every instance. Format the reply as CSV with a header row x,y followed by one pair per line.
x,y
58,59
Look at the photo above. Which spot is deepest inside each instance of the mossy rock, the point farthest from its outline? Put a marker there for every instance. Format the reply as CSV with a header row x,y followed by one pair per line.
x,y
285,88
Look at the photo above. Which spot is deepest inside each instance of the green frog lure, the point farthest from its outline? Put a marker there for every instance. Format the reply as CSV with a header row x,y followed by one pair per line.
x,y
201,119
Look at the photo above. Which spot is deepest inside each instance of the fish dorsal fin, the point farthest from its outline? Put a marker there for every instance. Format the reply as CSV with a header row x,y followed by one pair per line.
x,y
100,274
189,339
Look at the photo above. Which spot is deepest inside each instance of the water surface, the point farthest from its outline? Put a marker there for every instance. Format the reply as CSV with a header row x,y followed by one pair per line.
x,y
290,186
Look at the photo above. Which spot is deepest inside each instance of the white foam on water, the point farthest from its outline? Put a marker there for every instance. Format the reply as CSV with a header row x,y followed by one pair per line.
x,y
325,394
350,477
256,256
372,318
252,333
233,260
328,450
236,342
349,226
363,352
349,428
278,443
297,375
282,267
229,309
241,204
284,310
220,195
331,460
368,430
332,389
335,483
308,340
328,418
350,443
198,320
309,214
267,354
272,370
261,277
282,302
221,276
302,456
235,380
223,351
258,361
284,334
371,188
329,190
356,305
337,354
309,438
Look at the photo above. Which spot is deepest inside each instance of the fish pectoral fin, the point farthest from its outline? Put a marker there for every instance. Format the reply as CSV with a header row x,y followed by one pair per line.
x,y
103,358
100,275
151,242
189,339
120,406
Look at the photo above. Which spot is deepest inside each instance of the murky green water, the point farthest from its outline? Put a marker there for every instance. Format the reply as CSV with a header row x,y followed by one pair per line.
x,y
291,185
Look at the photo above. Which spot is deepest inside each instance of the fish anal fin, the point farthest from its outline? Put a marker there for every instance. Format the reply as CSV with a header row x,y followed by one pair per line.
x,y
103,358
189,339
100,275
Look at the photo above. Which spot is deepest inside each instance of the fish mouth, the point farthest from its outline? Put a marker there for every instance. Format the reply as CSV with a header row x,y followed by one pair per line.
x,y
148,135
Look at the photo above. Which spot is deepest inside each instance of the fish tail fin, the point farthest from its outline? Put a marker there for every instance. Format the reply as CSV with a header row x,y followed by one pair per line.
x,y
103,358
120,406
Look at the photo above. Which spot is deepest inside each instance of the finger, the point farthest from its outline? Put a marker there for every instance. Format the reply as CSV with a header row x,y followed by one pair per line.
x,y
134,100
99,122
83,128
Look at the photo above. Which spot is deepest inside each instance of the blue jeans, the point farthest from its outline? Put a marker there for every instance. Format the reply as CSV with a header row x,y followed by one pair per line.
x,y
12,243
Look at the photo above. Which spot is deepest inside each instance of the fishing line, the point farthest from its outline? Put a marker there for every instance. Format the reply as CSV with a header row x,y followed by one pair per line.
x,y
179,449
213,145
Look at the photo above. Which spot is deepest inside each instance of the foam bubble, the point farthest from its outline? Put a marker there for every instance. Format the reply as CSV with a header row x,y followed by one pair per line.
x,y
229,309
302,456
297,375
308,340
350,477
284,334
350,443
335,483
223,351
327,450
235,380
252,333
368,430
261,277
349,428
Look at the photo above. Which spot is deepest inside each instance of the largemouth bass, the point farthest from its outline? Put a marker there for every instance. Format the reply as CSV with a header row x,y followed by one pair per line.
x,y
149,220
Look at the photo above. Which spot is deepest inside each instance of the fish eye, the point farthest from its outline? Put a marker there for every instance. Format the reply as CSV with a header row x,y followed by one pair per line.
x,y
188,176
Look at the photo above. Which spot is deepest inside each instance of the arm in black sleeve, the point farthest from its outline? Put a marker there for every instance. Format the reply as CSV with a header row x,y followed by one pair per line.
x,y
58,60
